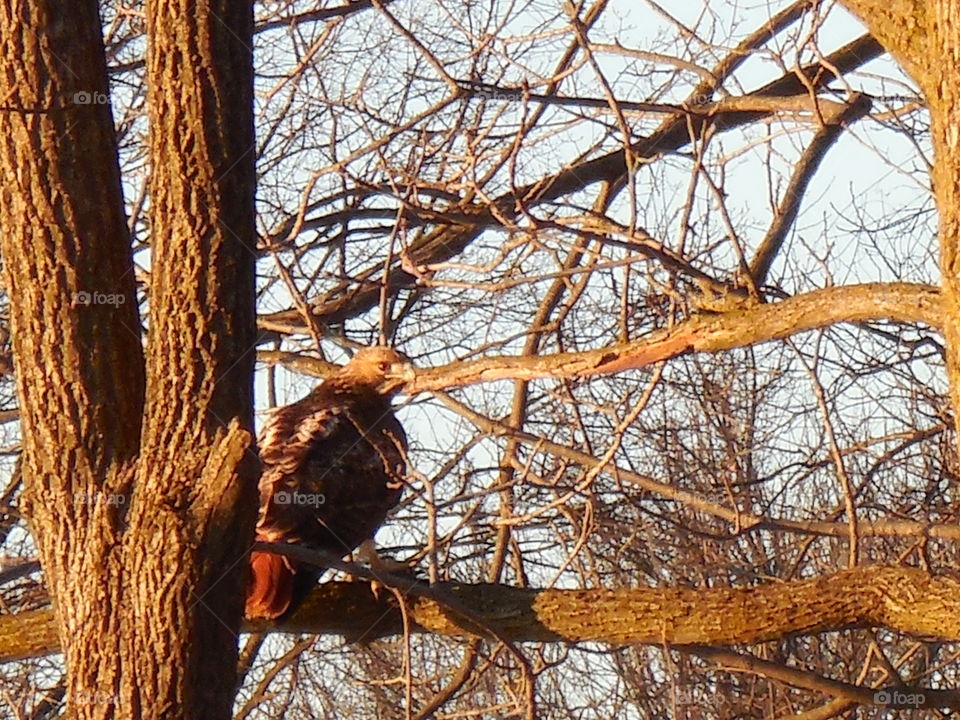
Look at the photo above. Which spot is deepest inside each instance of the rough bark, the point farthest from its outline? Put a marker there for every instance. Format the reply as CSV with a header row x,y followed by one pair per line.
x,y
191,518
76,336
902,599
141,548
941,86
900,26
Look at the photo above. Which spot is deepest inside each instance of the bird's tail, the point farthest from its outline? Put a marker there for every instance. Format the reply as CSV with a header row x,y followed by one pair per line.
x,y
271,586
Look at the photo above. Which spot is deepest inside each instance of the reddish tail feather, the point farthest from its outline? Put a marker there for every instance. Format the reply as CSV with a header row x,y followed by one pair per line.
x,y
271,586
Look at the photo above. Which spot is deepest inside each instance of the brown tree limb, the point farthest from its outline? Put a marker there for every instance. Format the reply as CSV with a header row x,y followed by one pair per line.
x,y
706,332
905,600
703,332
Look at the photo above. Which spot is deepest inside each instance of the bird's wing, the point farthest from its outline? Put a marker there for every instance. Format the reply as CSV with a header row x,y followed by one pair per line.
x,y
332,469
286,442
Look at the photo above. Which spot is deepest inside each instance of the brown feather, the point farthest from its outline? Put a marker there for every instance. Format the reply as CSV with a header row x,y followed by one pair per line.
x,y
333,467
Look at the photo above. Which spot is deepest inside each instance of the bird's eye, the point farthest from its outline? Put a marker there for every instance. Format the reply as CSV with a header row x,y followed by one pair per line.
x,y
384,366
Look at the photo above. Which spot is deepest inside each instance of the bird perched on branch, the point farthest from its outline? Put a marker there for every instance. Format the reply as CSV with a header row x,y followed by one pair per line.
x,y
333,466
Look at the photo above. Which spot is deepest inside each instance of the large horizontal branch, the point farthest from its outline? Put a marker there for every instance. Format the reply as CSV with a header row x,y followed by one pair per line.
x,y
705,332
743,326
905,600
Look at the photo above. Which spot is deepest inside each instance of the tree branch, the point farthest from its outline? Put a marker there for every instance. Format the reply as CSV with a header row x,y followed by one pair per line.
x,y
708,332
812,681
795,192
704,332
905,600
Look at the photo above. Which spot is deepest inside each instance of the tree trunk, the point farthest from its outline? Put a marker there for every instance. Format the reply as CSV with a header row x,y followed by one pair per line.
x,y
142,551
941,85
190,522
76,334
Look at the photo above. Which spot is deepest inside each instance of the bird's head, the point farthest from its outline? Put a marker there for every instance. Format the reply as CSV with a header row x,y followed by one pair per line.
x,y
380,368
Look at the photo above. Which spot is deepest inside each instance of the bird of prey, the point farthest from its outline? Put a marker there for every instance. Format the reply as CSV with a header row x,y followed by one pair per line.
x,y
333,466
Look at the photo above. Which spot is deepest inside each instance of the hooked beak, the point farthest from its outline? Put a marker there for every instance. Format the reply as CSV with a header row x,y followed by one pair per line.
x,y
399,374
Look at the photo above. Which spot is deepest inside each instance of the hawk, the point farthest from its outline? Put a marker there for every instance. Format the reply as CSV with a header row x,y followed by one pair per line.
x,y
333,466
